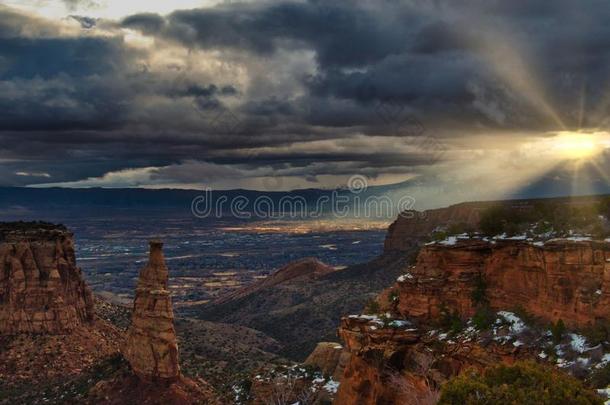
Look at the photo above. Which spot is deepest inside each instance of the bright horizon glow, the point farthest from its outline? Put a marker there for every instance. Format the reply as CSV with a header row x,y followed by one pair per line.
x,y
574,145
579,145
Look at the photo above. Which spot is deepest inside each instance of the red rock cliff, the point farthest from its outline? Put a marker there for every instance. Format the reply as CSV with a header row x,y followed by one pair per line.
x,y
406,360
411,226
41,288
560,279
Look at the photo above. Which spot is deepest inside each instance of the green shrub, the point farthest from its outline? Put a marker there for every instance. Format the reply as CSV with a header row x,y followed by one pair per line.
x,y
558,216
598,333
526,317
451,321
558,329
600,377
478,294
483,318
439,236
460,228
372,307
524,383
492,221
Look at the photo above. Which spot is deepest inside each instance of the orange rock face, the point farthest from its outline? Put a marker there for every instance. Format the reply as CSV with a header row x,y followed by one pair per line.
x,y
41,288
561,279
151,346
411,226
389,365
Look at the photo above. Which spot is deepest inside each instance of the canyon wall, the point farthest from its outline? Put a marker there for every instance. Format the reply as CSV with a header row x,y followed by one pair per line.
x,y
559,279
405,359
41,288
411,227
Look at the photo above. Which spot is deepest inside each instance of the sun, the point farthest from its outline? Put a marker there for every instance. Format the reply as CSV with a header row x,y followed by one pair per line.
x,y
574,145
577,145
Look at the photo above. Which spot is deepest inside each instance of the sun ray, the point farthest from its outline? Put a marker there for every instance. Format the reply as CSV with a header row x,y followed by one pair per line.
x,y
582,101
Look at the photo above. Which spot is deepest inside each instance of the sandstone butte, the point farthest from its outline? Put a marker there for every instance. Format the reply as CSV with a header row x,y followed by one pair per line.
x,y
41,288
559,279
47,312
151,347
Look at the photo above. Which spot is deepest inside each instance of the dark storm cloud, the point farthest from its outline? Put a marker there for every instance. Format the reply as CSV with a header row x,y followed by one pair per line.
x,y
424,54
148,23
57,84
190,89
341,32
50,57
84,21
94,99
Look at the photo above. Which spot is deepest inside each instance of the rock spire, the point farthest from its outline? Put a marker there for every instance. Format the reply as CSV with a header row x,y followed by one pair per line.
x,y
151,346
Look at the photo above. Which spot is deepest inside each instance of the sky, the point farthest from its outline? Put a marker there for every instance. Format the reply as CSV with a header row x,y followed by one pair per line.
x,y
465,99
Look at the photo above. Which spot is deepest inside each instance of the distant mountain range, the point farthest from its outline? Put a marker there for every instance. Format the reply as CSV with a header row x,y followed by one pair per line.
x,y
411,194
88,200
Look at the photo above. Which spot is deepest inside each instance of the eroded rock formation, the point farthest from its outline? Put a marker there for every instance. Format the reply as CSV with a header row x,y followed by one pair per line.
x,y
406,365
559,279
151,346
406,360
151,349
411,227
41,288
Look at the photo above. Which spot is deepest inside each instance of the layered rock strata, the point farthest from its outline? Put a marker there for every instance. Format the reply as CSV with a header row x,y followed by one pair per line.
x,y
151,346
559,279
41,288
405,360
